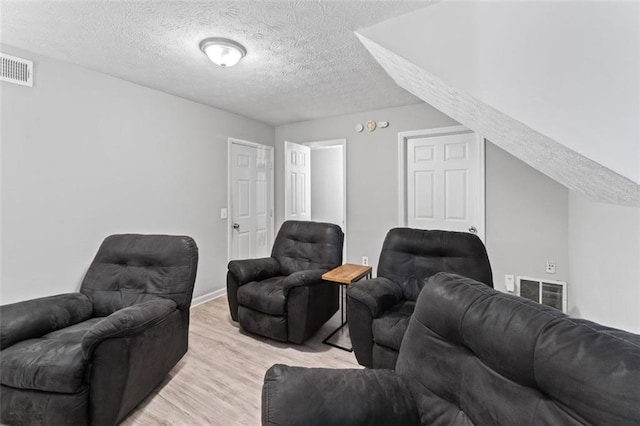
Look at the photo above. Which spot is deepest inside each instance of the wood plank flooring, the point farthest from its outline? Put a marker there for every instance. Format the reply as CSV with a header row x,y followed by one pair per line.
x,y
219,380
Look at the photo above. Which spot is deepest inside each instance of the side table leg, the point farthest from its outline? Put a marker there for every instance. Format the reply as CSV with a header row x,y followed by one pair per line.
x,y
342,310
343,322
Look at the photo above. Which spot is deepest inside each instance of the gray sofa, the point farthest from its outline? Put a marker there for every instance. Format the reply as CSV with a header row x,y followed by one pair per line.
x,y
474,356
91,357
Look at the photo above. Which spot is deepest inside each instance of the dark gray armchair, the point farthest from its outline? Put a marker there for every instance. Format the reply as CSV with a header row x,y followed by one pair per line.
x,y
283,297
473,356
91,357
379,309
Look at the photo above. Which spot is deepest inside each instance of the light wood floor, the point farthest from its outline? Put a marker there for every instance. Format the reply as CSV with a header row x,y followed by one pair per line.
x,y
219,380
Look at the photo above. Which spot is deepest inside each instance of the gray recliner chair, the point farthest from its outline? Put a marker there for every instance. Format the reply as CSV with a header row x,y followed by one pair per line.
x,y
283,297
379,309
473,356
91,357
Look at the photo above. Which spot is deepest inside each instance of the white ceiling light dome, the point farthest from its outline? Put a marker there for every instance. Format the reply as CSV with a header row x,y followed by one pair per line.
x,y
222,51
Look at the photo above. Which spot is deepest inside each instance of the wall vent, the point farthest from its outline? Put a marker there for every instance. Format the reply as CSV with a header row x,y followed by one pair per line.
x,y
546,292
16,70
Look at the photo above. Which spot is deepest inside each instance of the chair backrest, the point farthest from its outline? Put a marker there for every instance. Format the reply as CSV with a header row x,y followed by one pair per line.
x,y
481,356
410,256
301,246
130,268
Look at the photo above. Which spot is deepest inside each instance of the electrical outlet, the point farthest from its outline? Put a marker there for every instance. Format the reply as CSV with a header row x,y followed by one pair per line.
x,y
551,267
365,260
509,283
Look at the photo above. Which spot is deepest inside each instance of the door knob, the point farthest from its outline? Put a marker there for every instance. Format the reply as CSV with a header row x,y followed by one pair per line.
x,y
473,230
236,226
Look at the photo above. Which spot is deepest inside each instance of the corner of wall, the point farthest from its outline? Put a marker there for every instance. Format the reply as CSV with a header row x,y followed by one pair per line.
x,y
604,261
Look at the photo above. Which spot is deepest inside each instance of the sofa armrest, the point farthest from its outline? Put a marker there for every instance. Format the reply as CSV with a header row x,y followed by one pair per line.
x,y
377,294
320,396
37,317
127,322
302,278
248,270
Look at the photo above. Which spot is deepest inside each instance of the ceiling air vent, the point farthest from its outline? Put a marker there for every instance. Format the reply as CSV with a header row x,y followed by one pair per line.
x,y
16,70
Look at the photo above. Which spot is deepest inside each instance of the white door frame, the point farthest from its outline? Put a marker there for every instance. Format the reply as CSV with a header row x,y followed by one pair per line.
x,y
403,140
270,235
327,143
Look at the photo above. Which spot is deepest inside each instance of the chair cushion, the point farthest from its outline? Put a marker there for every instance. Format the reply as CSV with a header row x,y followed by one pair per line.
x,y
302,245
474,355
52,363
389,328
130,269
265,296
410,256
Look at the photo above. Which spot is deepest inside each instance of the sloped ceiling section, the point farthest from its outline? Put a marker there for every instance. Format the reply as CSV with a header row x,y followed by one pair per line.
x,y
562,164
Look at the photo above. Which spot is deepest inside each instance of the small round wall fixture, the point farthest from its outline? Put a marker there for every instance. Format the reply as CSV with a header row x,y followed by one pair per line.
x,y
222,51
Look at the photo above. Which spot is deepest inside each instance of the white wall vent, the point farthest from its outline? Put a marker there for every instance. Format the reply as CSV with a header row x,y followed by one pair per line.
x,y
546,292
16,70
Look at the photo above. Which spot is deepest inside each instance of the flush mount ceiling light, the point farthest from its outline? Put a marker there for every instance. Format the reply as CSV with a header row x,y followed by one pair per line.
x,y
222,51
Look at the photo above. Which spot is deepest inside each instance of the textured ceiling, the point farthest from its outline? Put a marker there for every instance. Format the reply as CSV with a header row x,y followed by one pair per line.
x,y
552,158
304,60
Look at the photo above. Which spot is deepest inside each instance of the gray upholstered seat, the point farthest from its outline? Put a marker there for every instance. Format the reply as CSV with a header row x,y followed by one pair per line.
x,y
49,365
379,309
91,357
283,297
472,355
388,329
266,296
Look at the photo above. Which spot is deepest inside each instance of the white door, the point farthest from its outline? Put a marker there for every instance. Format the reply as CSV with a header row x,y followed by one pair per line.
x,y
444,183
297,181
250,200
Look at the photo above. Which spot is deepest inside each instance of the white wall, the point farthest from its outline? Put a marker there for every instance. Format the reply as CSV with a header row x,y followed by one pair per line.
x,y
372,169
526,212
526,219
327,188
569,70
85,155
604,263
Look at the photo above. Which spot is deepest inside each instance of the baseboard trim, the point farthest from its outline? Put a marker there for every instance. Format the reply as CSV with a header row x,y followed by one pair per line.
x,y
207,297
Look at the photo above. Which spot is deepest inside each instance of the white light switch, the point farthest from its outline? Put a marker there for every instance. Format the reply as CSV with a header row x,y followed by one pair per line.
x,y
509,283
223,213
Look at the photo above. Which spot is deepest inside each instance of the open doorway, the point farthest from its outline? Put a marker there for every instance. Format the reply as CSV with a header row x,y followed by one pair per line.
x,y
316,182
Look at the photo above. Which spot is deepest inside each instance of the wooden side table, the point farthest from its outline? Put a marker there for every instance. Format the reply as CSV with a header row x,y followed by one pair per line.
x,y
344,275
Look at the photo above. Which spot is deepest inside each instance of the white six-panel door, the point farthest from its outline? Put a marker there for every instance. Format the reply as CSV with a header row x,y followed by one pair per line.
x,y
443,183
297,181
250,201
